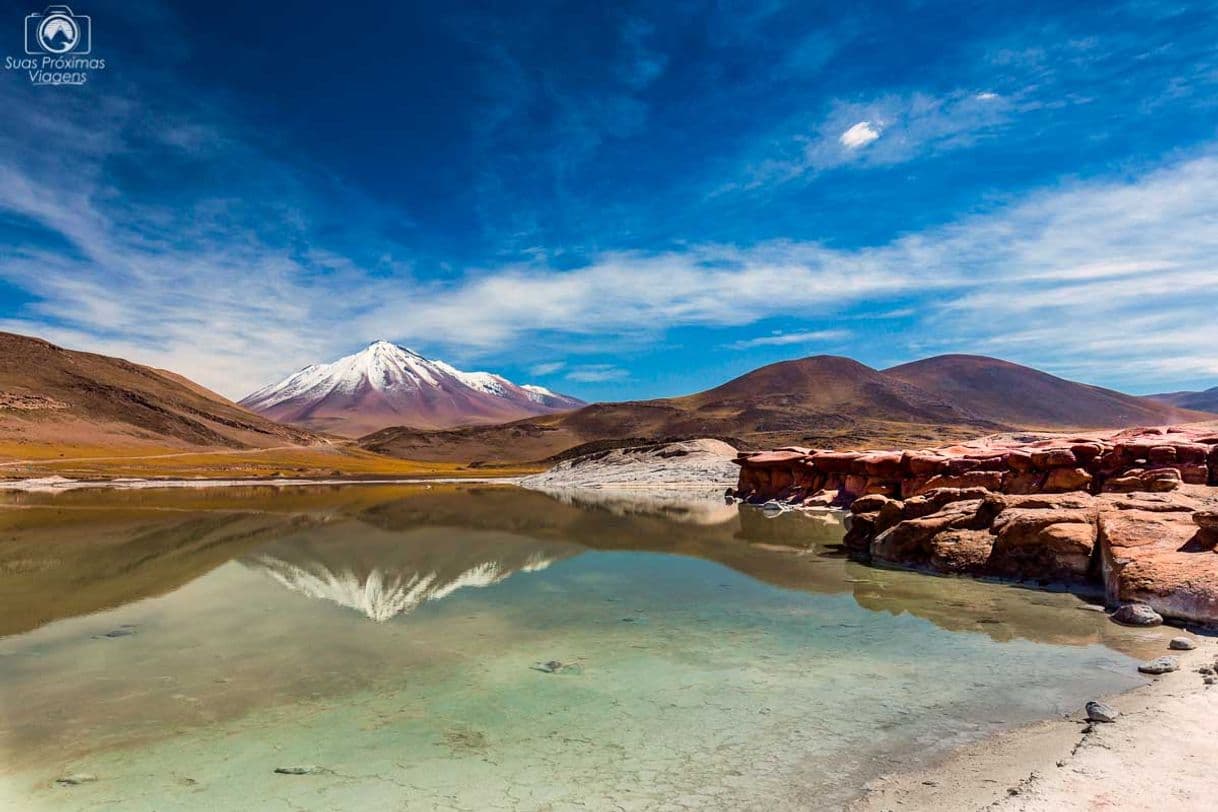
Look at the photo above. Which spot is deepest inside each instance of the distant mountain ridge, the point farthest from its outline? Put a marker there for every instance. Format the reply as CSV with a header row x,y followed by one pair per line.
x,y
823,400
1206,400
1025,397
388,385
75,403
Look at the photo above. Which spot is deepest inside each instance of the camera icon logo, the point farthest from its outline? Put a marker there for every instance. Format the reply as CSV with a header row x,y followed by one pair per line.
x,y
58,31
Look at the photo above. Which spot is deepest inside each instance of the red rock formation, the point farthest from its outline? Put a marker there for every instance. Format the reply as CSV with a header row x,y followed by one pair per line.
x,y
1134,513
1146,459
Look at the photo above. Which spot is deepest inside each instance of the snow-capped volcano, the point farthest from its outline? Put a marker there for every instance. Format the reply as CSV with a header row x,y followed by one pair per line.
x,y
387,385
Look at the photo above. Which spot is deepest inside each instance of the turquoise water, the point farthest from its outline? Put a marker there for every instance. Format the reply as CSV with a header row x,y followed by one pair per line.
x,y
179,648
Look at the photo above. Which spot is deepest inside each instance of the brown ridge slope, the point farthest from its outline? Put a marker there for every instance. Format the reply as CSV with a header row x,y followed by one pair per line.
x,y
1021,396
52,395
812,401
1205,400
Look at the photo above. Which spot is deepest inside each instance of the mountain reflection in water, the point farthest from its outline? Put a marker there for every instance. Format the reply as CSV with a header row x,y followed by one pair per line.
x,y
386,550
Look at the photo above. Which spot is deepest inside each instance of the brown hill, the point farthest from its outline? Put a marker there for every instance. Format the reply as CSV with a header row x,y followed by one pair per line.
x,y
822,400
1205,400
1028,398
52,395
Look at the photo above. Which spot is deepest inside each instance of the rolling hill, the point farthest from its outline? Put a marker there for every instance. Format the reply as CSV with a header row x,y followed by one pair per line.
x,y
1204,401
51,394
1028,398
817,401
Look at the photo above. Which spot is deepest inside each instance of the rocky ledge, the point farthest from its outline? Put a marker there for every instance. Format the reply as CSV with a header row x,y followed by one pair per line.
x,y
1134,513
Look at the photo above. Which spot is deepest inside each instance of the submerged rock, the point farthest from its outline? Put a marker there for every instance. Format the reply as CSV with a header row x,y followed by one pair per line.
x,y
1137,614
75,779
556,667
1181,644
1160,665
311,769
1101,712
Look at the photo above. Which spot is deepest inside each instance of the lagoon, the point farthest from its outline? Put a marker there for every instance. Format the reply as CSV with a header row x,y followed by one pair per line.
x,y
486,647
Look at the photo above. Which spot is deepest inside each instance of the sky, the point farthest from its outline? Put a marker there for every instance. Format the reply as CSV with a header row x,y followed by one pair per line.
x,y
621,200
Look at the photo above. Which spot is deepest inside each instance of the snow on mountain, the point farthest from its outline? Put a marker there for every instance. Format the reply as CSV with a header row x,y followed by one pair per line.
x,y
382,595
387,385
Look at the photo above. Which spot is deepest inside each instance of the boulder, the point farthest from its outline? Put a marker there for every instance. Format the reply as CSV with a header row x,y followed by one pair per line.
x,y
1024,482
932,501
961,552
1050,501
1181,644
1171,502
1193,473
1162,455
1020,460
1155,481
1086,451
1043,544
881,487
1063,480
961,465
1054,458
891,513
855,484
910,541
834,462
925,464
869,504
860,531
75,779
1137,614
989,480
1160,559
1100,712
885,464
1160,665
768,459
1194,453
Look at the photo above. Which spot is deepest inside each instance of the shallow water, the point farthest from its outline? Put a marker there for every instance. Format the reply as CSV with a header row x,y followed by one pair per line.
x,y
181,646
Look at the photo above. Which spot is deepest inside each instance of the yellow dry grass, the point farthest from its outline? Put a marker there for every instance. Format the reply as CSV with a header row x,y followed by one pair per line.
x,y
23,460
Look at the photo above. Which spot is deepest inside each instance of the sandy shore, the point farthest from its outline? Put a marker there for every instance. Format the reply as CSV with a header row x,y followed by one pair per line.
x,y
1160,753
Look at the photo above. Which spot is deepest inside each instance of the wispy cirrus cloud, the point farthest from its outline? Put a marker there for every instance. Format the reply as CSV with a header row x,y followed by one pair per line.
x,y
548,368
887,130
789,339
596,373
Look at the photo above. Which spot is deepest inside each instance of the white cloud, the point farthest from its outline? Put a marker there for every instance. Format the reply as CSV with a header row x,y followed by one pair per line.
x,y
787,339
596,373
549,368
911,126
860,135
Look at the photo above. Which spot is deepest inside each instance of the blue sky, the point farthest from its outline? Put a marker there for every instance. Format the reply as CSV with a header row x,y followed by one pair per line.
x,y
622,200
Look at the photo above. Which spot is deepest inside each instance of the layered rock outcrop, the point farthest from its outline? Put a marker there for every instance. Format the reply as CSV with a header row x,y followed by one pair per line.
x,y
1133,513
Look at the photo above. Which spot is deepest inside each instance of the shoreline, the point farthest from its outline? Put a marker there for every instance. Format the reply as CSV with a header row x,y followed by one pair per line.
x,y
1148,757
55,484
